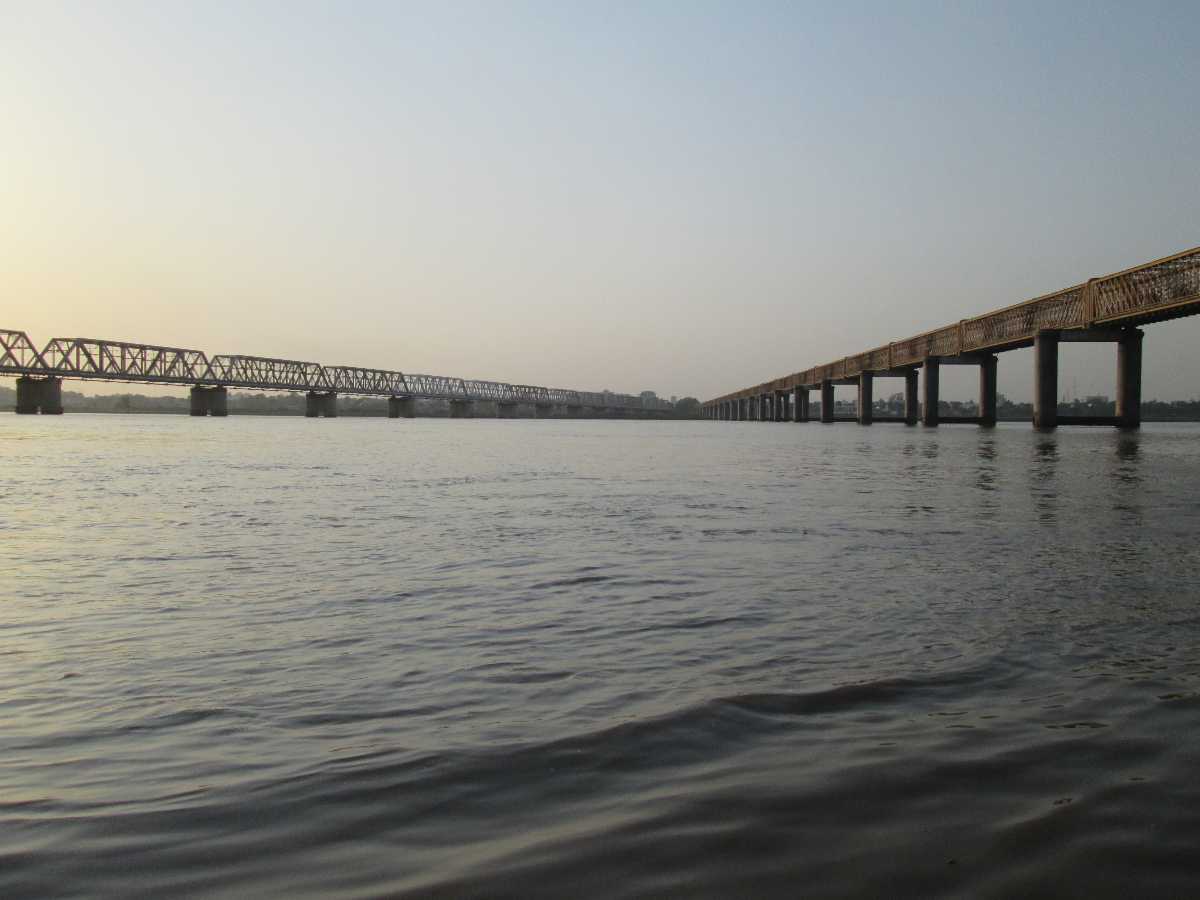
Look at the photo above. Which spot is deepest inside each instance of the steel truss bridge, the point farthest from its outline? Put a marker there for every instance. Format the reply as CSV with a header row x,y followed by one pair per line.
x,y
1109,308
90,359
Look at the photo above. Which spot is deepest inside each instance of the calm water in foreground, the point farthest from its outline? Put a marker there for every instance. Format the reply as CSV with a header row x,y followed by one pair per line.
x,y
597,659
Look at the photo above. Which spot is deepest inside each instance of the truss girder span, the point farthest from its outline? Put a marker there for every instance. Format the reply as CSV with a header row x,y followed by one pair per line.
x,y
90,358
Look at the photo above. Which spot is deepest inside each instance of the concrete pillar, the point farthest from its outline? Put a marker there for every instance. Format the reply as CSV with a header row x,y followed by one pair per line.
x,y
506,410
866,394
402,407
51,397
198,401
39,394
218,402
320,403
575,412
542,410
29,395
765,408
826,401
987,392
1129,379
782,410
461,409
930,389
1045,380
911,404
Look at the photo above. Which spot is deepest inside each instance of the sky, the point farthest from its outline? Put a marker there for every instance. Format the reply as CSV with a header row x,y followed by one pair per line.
x,y
682,197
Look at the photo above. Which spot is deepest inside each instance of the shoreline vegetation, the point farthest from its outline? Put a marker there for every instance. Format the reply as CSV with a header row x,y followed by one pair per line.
x,y
286,404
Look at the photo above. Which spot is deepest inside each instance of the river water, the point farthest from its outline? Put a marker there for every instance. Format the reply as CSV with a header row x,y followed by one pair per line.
x,y
364,657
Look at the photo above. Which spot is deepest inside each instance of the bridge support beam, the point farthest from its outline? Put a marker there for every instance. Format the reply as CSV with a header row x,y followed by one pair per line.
x,y
402,408
827,402
912,404
866,397
320,403
1129,379
36,395
930,388
1045,380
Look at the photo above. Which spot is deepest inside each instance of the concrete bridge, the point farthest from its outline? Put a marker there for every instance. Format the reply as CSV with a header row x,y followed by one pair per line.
x,y
40,375
1108,309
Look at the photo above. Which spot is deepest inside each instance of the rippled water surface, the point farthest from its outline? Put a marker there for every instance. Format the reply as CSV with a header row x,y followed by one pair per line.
x,y
364,657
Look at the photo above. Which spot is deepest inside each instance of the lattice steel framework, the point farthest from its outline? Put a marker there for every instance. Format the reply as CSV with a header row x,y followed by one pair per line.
x,y
88,358
1164,289
18,356
119,361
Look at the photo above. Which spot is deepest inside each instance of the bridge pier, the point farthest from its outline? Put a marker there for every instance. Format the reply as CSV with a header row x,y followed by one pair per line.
x,y
402,407
911,402
208,401
462,409
1129,379
866,383
542,410
320,403
575,412
1045,380
800,404
987,392
826,402
506,410
930,385
39,395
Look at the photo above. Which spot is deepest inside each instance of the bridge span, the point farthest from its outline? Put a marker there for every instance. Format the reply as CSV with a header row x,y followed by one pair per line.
x,y
40,373
1109,309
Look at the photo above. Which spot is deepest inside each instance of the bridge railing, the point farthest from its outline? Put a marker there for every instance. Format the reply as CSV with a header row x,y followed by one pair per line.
x,y
1162,284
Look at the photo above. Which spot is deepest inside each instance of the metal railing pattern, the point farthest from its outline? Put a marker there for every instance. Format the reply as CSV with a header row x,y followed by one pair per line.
x,y
1162,289
92,359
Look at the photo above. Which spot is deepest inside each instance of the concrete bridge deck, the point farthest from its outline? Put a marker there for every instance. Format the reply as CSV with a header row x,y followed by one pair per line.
x,y
40,373
1109,309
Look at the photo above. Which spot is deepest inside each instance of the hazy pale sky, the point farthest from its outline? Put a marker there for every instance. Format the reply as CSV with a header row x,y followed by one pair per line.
x,y
683,197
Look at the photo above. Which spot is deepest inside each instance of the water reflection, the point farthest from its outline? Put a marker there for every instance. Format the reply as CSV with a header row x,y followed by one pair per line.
x,y
1043,477
1124,471
985,475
